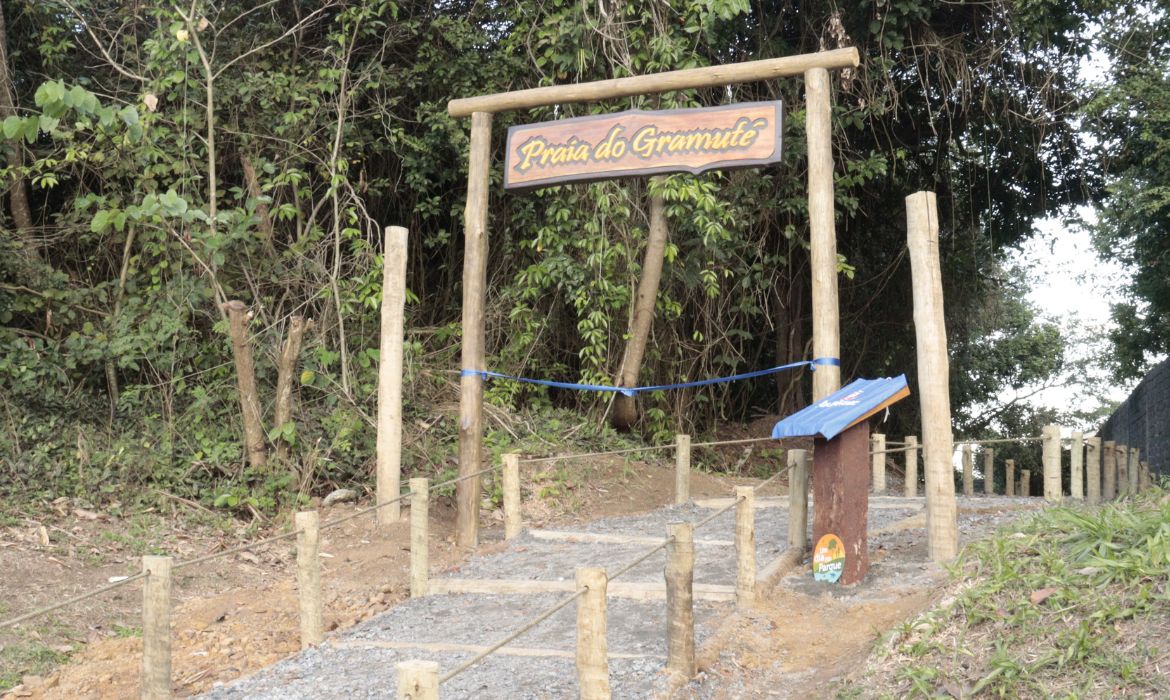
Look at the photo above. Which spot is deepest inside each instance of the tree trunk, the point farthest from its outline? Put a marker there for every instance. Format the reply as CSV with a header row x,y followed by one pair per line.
x,y
285,373
254,439
18,187
256,193
625,409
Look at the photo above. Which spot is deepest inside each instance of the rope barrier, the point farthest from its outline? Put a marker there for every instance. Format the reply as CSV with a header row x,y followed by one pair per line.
x,y
579,455
994,441
895,450
76,599
741,441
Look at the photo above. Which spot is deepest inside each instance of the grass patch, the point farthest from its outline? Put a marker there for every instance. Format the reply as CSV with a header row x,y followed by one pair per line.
x,y
1072,603
27,658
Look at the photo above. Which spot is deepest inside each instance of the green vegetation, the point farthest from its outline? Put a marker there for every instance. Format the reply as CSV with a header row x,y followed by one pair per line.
x,y
1072,603
27,658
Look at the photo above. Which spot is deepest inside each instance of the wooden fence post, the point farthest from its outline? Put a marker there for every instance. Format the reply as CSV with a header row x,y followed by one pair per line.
x,y
1093,470
418,680
1134,467
1009,479
1076,463
309,577
389,439
419,537
1122,469
798,499
968,471
1147,482
988,471
512,518
682,468
745,546
680,600
592,647
1109,470
156,628
1025,482
877,446
933,376
910,488
1053,492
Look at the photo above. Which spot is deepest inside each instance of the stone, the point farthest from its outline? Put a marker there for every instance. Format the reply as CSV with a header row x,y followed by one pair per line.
x,y
340,496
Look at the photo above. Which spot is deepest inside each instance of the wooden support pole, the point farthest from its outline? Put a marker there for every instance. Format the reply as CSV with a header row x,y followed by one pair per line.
x,y
745,547
389,477
592,647
475,253
1009,479
418,680
682,468
1076,479
841,496
797,499
1026,482
156,628
877,446
1093,470
933,376
1053,492
1122,461
512,516
686,79
1109,470
680,600
968,471
822,232
988,471
309,578
419,537
910,488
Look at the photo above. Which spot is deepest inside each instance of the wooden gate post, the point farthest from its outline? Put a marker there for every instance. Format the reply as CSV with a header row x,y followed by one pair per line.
x,y
988,471
910,488
1093,470
1076,481
389,440
156,628
418,680
968,471
745,546
933,376
419,538
682,468
475,254
1053,491
680,600
1026,482
309,578
1109,470
1009,480
822,233
512,517
878,462
798,499
592,647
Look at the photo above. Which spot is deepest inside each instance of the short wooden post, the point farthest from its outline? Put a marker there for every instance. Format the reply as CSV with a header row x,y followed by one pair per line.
x,y
1109,471
1009,479
745,546
1025,482
156,628
1093,470
1134,467
1053,492
680,600
798,499
389,439
309,578
910,487
988,471
1147,481
512,520
418,680
1076,462
930,330
1122,469
877,448
682,468
419,538
968,471
592,647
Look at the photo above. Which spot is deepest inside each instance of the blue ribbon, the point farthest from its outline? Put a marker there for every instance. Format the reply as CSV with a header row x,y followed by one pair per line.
x,y
631,391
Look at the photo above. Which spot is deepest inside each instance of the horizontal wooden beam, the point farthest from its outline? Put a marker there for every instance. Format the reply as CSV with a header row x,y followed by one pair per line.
x,y
690,78
638,590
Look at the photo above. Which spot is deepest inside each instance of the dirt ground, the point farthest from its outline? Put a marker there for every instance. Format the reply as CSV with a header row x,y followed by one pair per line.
x,y
237,614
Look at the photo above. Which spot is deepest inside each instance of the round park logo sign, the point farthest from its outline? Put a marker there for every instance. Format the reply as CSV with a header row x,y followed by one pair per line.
x,y
828,559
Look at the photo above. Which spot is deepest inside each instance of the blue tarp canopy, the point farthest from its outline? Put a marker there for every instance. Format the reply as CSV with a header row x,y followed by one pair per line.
x,y
852,404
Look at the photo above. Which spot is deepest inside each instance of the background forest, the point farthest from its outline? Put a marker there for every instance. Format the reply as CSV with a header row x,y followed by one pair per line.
x,y
164,158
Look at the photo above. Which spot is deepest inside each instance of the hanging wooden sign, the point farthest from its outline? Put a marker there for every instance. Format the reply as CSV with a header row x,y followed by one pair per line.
x,y
642,143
